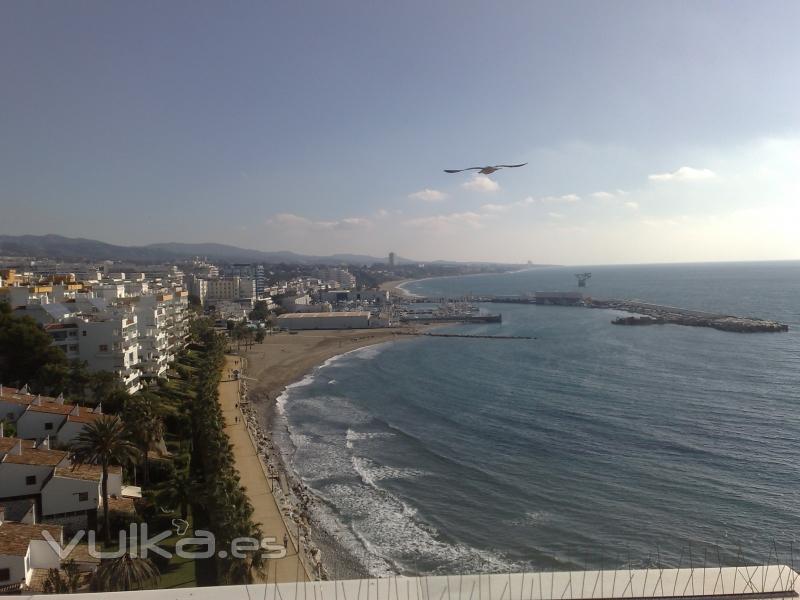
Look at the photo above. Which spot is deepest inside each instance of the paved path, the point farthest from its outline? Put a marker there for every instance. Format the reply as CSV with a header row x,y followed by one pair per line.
x,y
266,511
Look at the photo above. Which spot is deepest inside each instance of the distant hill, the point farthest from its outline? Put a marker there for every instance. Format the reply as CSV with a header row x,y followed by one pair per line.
x,y
64,248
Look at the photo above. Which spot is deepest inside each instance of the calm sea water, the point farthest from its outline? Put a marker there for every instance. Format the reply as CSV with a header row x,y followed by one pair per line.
x,y
592,444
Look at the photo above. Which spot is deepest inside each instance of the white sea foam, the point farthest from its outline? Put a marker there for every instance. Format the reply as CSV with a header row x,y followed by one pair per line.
x,y
280,401
531,518
371,472
355,436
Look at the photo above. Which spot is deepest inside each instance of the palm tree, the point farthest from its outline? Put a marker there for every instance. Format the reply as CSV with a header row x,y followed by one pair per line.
x,y
145,426
180,492
125,573
104,442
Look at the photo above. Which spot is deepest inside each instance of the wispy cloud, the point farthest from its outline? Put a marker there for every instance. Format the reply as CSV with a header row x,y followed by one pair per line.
x,y
497,208
565,199
684,174
603,196
292,221
632,205
555,215
500,208
428,195
471,220
481,183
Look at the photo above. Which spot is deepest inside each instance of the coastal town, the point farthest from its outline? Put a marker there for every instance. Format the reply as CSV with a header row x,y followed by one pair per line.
x,y
100,387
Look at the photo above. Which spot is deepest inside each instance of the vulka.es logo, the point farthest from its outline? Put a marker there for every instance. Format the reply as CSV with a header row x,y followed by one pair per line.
x,y
138,543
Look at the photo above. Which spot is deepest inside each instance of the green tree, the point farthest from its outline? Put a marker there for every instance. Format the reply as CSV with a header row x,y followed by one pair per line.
x,y
104,442
179,493
260,311
145,427
67,580
260,335
25,349
125,573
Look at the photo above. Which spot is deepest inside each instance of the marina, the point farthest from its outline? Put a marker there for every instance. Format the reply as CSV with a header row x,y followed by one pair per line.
x,y
645,313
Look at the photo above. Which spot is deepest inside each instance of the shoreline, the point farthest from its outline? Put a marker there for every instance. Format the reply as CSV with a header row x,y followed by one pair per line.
x,y
395,288
271,368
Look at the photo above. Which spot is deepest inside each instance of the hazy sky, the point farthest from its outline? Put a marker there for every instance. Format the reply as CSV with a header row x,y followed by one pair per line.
x,y
653,131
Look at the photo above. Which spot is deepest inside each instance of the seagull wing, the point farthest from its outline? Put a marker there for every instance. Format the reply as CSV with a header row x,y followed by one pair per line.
x,y
459,170
512,166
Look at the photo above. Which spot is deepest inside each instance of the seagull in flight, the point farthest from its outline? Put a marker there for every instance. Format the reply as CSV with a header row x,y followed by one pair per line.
x,y
485,170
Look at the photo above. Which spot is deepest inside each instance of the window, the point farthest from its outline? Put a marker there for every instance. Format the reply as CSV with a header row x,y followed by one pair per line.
x,y
48,426
83,333
30,480
103,347
10,416
5,574
83,496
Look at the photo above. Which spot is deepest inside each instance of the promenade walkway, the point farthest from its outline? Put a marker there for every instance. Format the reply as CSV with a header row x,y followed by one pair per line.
x,y
266,510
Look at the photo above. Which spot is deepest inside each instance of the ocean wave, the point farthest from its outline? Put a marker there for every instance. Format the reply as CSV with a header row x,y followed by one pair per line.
x,y
388,529
355,436
282,399
371,472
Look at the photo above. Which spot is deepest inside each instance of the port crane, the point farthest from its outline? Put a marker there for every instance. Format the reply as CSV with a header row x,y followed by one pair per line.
x,y
582,277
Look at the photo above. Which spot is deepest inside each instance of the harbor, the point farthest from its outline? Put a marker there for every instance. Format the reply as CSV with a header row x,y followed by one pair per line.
x,y
644,313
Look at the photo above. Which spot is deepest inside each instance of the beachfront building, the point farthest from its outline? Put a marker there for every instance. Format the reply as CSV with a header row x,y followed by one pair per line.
x,y
42,418
62,492
162,325
110,342
338,296
324,320
341,277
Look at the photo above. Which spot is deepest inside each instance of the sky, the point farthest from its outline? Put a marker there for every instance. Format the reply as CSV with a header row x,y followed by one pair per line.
x,y
653,131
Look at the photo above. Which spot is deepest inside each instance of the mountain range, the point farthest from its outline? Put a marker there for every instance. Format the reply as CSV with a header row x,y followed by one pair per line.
x,y
78,249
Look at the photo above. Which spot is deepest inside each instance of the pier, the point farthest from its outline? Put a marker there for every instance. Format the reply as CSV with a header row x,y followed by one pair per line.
x,y
645,313
656,314
468,335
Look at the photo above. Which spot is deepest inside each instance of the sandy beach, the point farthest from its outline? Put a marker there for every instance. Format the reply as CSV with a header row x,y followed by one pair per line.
x,y
269,367
394,289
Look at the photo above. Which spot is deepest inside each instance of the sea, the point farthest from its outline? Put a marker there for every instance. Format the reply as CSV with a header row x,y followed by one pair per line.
x,y
591,446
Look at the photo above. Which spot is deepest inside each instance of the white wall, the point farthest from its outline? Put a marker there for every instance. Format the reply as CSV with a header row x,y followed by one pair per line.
x,y
68,432
31,425
13,477
43,556
11,407
60,495
17,566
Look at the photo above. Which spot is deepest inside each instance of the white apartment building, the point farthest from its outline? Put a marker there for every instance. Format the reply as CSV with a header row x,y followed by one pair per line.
x,y
341,277
231,288
110,342
198,287
109,291
162,325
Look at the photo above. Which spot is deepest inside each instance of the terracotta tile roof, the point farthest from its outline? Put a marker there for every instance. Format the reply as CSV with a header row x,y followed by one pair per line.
x,y
121,505
15,537
7,443
80,554
84,417
51,407
85,472
39,456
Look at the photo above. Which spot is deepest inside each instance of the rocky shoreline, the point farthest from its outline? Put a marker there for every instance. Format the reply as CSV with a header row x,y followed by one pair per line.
x,y
324,555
